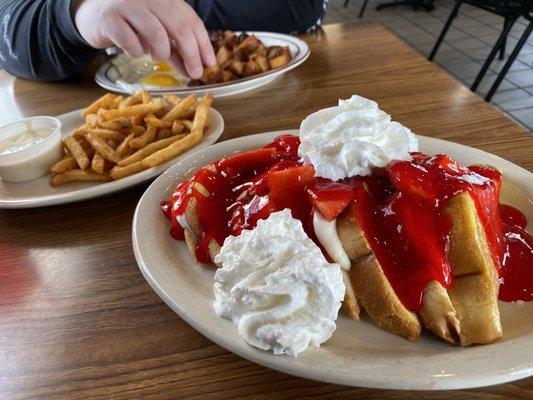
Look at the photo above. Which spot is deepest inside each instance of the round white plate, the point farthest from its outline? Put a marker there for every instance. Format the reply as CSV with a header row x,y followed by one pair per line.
x,y
107,74
39,192
358,353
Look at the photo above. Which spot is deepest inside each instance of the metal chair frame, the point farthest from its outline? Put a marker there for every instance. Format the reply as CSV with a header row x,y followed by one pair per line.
x,y
427,4
510,13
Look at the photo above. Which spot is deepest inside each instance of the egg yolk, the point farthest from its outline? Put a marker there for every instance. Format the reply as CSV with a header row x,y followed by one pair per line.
x,y
161,80
162,66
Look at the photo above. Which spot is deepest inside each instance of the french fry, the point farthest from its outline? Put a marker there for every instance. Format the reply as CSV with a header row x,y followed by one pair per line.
x,y
136,110
123,136
116,101
177,127
187,123
100,146
158,123
180,109
78,175
97,164
147,137
149,149
130,101
124,147
145,96
137,130
91,120
164,133
116,124
106,134
100,103
80,132
63,165
122,172
188,141
172,99
202,114
77,152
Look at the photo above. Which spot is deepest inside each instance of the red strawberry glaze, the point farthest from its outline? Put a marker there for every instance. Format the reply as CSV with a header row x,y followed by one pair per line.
x,y
401,210
243,189
517,276
399,207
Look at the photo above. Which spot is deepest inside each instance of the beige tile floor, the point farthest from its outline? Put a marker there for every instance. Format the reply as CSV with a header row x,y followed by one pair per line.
x,y
466,46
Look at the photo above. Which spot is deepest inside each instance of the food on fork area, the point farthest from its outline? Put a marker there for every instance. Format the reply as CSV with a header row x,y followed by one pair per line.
x,y
422,240
122,136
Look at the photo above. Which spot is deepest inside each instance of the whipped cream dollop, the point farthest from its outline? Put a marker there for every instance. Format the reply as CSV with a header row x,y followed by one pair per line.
x,y
348,140
277,287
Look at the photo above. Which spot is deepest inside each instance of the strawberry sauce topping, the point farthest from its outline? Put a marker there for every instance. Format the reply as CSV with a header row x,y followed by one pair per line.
x,y
400,208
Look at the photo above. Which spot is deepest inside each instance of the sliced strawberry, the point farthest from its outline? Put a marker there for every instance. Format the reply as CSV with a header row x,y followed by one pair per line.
x,y
286,146
248,160
260,183
287,189
329,198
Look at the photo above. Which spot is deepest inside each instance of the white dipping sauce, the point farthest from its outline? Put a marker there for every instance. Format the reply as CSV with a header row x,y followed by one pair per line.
x,y
28,148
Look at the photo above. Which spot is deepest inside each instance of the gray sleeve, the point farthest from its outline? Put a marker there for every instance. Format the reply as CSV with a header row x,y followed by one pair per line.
x,y
40,41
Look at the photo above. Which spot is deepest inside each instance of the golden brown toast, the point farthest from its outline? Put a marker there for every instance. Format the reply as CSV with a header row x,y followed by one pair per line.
x,y
474,291
467,313
379,300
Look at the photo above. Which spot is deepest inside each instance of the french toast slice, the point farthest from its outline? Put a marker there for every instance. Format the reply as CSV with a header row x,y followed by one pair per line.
x,y
192,232
474,291
465,314
437,313
370,285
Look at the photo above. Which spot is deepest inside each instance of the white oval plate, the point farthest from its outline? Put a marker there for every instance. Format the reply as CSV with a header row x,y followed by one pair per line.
x,y
107,74
358,353
39,193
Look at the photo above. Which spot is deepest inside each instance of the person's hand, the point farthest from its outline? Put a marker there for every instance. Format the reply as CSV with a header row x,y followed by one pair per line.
x,y
166,29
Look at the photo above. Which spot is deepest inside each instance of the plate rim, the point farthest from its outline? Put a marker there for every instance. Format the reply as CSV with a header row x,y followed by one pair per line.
x,y
270,361
103,189
102,80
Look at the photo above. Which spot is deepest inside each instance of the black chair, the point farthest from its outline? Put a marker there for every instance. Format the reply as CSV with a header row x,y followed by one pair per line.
x,y
426,4
527,13
510,10
363,8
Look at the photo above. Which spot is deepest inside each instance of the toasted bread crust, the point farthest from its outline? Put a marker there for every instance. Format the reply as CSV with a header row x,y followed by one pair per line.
x,y
474,291
350,305
438,315
379,300
352,238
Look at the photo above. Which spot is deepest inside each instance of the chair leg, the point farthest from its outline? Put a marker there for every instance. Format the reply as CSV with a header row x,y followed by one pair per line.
x,y
509,62
363,8
504,44
447,25
346,3
492,54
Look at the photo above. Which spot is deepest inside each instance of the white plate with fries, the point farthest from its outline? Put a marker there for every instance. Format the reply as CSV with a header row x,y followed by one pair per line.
x,y
116,165
109,76
358,353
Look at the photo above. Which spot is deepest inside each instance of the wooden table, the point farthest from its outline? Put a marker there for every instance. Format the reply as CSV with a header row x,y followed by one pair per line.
x,y
77,319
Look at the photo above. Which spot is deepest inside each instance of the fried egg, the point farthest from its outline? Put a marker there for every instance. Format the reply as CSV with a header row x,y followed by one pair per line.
x,y
143,72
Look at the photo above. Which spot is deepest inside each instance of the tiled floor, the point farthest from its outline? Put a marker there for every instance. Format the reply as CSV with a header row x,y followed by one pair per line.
x,y
467,44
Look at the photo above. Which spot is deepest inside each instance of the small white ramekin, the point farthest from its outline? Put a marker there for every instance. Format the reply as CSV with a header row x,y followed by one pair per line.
x,y
36,160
